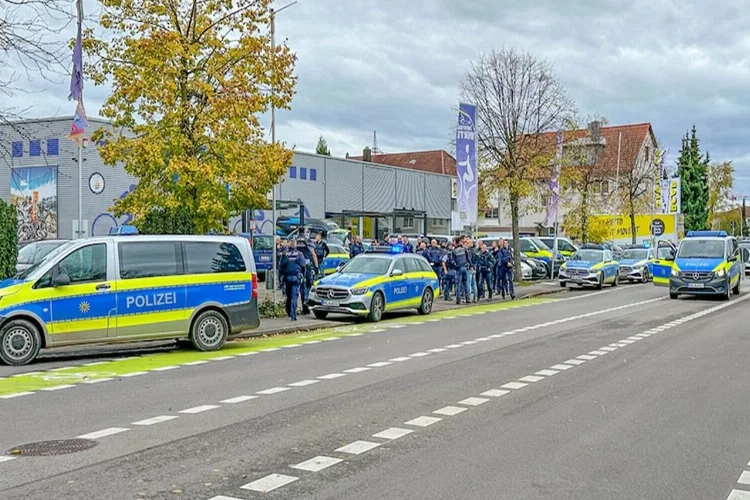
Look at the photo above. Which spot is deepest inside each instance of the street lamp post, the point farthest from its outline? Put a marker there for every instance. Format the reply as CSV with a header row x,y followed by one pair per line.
x,y
273,140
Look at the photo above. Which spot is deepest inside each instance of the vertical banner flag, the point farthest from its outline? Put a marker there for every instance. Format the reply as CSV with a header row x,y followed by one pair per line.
x,y
675,195
553,205
658,175
466,163
78,127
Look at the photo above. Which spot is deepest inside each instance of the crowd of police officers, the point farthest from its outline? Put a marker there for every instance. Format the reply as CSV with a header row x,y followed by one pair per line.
x,y
468,269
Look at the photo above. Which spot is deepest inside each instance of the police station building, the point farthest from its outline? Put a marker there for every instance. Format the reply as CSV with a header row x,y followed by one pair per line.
x,y
409,193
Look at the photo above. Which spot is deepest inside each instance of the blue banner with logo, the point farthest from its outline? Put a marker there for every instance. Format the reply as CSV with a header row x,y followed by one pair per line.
x,y
466,163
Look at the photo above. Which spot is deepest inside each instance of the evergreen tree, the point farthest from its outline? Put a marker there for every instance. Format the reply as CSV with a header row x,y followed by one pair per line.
x,y
322,147
692,167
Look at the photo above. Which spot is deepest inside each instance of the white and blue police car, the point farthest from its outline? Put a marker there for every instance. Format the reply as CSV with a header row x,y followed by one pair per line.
x,y
382,279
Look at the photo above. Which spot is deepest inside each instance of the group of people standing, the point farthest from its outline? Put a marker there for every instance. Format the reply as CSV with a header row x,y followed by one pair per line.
x,y
300,263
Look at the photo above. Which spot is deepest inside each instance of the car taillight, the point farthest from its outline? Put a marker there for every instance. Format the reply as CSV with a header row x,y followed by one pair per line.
x,y
255,286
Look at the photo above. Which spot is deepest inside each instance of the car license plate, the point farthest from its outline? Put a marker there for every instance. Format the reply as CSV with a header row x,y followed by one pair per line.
x,y
332,303
696,285
578,281
265,258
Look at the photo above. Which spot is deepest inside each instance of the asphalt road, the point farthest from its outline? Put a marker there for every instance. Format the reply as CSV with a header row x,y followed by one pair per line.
x,y
607,395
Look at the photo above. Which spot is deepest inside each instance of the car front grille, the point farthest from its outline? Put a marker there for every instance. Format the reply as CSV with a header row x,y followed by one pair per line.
x,y
332,293
696,275
579,272
626,269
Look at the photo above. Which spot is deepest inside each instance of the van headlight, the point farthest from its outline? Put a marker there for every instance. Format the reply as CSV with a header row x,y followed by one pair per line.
x,y
359,291
720,273
675,272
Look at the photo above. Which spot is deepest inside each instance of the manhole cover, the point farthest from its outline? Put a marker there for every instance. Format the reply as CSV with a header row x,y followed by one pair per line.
x,y
51,448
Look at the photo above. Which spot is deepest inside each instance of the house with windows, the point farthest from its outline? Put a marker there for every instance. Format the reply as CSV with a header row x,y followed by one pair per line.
x,y
605,156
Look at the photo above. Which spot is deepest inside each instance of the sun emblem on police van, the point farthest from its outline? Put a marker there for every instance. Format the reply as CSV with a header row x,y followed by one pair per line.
x,y
84,307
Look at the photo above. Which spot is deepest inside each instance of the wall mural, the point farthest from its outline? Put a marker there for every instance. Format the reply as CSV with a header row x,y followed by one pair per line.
x,y
33,190
106,220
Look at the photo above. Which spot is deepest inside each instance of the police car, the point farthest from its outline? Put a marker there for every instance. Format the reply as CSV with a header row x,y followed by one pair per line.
x,y
383,279
636,263
706,263
592,265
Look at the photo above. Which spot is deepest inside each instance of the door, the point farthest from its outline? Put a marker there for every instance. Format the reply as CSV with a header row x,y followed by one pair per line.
x,y
736,268
397,287
610,267
151,295
415,278
661,267
85,308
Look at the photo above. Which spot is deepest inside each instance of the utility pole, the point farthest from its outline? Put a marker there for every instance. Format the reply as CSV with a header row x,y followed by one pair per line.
x,y
273,141
617,189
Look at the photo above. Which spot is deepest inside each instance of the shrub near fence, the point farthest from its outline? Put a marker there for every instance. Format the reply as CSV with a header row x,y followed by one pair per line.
x,y
8,240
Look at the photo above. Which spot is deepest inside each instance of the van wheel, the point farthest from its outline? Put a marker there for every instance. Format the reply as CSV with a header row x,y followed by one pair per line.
x,y
20,342
377,307
210,331
426,306
320,314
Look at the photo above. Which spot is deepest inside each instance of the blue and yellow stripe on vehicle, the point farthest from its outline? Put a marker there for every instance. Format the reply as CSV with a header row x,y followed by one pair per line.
x,y
332,262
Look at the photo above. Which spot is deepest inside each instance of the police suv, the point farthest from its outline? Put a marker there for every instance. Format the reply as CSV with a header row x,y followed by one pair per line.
x,y
130,288
706,263
384,279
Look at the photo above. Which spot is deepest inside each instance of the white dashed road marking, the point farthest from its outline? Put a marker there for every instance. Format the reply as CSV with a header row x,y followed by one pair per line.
x,y
561,367
358,447
273,390
419,354
575,362
6,459
531,378
317,464
199,409
165,368
155,420
303,383
586,357
357,370
269,483
423,421
16,395
238,399
495,393
547,373
400,359
513,385
393,433
57,388
103,433
473,401
380,364
450,411
332,376
739,495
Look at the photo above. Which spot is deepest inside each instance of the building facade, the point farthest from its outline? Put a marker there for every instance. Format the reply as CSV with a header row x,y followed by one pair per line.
x,y
627,149
40,176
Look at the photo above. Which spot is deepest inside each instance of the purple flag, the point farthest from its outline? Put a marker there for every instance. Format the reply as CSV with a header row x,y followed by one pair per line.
x,y
76,77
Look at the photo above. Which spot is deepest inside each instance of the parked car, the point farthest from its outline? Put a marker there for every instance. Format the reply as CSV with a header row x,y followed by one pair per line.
x,y
263,247
564,246
34,251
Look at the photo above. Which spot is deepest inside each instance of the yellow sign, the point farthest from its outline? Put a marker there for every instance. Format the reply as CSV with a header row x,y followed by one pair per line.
x,y
674,195
658,200
664,225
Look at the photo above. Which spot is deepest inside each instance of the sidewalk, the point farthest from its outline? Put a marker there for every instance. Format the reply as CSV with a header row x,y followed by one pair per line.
x,y
278,326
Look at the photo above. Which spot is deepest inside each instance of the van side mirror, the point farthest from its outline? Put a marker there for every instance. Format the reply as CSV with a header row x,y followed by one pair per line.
x,y
732,258
62,280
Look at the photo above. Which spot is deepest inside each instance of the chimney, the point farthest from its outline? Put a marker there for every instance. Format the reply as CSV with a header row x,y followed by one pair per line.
x,y
367,154
594,130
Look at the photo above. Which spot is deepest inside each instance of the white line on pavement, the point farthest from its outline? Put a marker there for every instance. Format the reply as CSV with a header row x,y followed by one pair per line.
x,y
393,433
103,433
358,447
199,409
303,383
423,421
155,420
269,483
238,399
317,464
273,390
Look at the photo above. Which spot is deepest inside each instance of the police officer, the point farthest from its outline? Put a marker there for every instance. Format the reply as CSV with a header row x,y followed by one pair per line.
x,y
485,263
506,270
433,256
356,248
292,267
321,252
408,247
307,249
422,250
461,262
450,276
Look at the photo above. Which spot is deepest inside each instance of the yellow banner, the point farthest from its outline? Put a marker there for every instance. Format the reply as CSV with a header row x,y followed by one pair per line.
x,y
664,225
674,195
658,200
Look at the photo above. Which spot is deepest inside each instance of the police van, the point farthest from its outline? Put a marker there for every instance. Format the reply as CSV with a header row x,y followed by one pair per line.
x,y
130,288
706,263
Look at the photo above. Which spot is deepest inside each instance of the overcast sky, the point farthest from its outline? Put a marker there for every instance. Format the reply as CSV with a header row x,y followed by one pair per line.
x,y
394,66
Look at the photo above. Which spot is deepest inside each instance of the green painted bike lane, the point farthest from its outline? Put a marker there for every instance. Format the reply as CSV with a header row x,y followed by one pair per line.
x,y
141,365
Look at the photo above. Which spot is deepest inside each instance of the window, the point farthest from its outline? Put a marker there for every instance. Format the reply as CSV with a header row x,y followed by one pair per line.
x,y
424,266
313,174
208,257
303,173
648,154
605,187
17,149
337,249
292,172
408,222
526,246
53,147
492,213
85,265
35,148
407,265
149,259
367,265
263,243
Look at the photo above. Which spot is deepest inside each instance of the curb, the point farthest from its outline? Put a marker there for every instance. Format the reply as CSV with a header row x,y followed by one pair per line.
x,y
330,324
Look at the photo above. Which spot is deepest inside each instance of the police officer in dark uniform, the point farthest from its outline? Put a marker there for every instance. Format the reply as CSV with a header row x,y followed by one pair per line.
x,y
449,280
434,258
408,247
307,249
463,280
321,252
292,267
506,270
356,247
485,263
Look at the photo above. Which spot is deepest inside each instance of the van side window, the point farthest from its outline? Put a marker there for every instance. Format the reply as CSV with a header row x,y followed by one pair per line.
x,y
149,259
85,265
207,257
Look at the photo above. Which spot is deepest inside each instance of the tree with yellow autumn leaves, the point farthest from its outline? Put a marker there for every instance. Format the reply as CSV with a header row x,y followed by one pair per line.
x,y
189,81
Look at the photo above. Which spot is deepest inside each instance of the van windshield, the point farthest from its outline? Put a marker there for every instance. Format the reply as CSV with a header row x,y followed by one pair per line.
x,y
701,249
263,243
32,272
